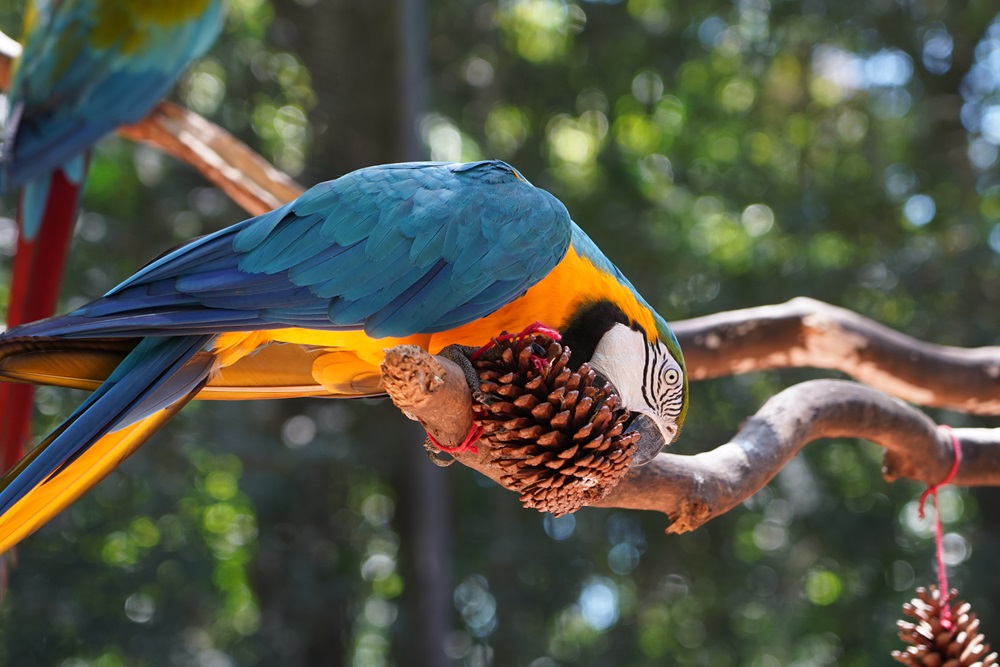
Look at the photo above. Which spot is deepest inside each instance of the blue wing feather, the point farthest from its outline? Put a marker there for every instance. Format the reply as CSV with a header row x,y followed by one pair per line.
x,y
357,309
427,246
287,245
251,233
320,267
485,302
347,226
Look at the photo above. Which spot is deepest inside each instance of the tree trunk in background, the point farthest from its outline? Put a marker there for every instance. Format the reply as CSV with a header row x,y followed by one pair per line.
x,y
352,50
368,65
425,521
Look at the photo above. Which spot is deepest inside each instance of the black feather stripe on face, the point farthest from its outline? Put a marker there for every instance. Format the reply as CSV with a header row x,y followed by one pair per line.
x,y
586,328
650,376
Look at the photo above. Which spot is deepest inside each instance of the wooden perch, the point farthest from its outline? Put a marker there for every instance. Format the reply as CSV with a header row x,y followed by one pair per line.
x,y
246,177
808,333
693,489
422,387
690,490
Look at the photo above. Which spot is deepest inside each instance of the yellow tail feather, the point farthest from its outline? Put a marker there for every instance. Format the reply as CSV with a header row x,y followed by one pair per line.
x,y
69,482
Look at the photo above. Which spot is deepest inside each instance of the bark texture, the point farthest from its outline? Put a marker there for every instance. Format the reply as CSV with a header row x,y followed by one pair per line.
x,y
807,332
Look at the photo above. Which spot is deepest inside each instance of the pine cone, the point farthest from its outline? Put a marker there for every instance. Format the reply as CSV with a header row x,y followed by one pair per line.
x,y
931,645
557,431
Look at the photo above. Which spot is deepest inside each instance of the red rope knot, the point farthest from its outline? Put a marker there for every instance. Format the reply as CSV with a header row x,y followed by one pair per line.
x,y
932,490
467,445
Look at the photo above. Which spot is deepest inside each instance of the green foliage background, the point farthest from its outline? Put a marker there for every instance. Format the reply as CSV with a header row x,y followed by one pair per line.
x,y
724,154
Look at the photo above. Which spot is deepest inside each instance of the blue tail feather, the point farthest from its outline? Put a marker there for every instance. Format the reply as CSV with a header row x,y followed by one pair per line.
x,y
143,383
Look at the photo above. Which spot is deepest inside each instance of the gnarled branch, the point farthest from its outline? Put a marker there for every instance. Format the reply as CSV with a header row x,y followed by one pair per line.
x,y
248,179
693,489
808,333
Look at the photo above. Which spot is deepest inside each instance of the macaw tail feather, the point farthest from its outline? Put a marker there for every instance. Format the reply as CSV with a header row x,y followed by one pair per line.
x,y
82,364
153,382
46,216
71,480
75,363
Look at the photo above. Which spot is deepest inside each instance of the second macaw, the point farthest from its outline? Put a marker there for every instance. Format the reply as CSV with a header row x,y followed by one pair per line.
x,y
302,301
87,67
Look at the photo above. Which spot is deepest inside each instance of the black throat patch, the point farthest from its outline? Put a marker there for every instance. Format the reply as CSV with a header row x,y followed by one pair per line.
x,y
586,328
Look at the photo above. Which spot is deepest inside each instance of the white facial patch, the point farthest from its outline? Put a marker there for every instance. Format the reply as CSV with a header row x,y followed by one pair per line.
x,y
619,357
648,378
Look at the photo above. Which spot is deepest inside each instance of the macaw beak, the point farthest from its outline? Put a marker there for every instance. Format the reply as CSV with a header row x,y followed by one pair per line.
x,y
650,439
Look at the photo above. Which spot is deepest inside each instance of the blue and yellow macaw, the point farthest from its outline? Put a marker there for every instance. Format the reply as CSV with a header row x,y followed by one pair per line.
x,y
87,67
302,301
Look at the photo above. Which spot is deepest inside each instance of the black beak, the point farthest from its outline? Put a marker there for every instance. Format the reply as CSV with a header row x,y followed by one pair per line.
x,y
650,439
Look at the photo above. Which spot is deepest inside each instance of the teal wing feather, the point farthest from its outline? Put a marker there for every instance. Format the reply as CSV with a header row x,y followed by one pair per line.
x,y
394,250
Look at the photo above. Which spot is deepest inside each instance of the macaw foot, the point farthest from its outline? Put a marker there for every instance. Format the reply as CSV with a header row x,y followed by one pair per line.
x,y
462,356
435,448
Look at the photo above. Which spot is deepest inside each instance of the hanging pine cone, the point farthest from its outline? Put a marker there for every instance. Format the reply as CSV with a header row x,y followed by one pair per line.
x,y
931,645
557,432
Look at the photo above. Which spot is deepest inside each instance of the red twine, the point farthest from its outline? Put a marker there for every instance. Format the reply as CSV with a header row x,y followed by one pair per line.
x,y
467,445
931,490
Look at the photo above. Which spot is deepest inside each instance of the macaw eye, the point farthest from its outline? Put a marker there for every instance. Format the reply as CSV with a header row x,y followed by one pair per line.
x,y
671,376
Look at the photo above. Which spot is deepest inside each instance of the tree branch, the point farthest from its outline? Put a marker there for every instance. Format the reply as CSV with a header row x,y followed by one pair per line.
x,y
423,387
806,332
228,163
690,490
693,489
246,177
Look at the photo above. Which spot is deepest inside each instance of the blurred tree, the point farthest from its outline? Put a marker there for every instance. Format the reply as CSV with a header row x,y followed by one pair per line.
x,y
724,154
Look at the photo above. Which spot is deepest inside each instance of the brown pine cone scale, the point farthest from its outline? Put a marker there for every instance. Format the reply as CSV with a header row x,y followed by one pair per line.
x,y
558,432
931,644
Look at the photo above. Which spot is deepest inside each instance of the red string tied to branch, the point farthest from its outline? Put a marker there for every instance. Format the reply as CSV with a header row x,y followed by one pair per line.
x,y
932,490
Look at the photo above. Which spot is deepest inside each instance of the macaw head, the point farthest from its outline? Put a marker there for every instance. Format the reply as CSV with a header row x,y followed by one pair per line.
x,y
645,368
